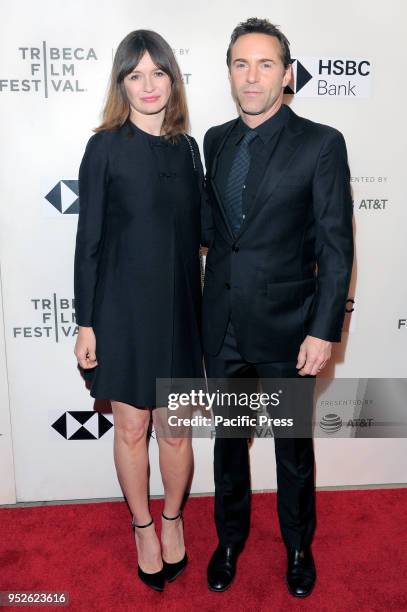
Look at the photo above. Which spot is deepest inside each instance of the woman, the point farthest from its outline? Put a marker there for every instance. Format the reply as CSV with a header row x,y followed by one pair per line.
x,y
137,279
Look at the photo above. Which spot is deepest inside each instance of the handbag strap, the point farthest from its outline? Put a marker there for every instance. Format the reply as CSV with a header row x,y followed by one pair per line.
x,y
191,148
201,260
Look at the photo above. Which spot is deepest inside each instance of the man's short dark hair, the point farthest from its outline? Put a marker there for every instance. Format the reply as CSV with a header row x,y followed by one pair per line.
x,y
260,26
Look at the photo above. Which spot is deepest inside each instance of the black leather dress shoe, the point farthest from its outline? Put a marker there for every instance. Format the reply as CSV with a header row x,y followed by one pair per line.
x,y
301,572
222,567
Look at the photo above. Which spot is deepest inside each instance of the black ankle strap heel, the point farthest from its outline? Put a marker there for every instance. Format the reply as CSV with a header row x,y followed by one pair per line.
x,y
156,580
173,518
173,570
133,524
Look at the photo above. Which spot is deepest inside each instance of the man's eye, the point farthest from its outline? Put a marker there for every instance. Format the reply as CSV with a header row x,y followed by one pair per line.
x,y
240,65
267,65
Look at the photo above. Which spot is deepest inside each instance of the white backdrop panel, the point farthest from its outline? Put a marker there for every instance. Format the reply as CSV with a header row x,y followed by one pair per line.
x,y
49,107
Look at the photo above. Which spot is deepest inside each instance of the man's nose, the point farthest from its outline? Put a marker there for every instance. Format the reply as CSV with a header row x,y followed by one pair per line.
x,y
252,74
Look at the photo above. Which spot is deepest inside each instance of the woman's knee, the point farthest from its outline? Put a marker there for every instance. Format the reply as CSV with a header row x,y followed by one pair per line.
x,y
132,434
130,427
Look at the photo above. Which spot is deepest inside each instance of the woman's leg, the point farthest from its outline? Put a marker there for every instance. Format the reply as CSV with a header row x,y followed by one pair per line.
x,y
176,459
131,461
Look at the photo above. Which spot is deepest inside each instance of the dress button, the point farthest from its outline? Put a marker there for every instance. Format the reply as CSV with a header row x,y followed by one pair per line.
x,y
227,285
235,248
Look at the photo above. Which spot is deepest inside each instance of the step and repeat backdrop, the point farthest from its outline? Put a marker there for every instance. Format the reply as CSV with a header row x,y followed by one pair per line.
x,y
55,62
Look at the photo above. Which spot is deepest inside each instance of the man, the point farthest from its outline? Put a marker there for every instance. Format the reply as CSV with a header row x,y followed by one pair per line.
x,y
278,224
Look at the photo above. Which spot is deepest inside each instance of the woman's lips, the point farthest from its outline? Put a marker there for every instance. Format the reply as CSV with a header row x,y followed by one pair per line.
x,y
150,99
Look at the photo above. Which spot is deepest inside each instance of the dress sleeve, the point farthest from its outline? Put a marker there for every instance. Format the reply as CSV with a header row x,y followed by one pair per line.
x,y
93,174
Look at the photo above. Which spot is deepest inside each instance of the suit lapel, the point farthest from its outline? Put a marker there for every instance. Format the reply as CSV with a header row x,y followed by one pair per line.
x,y
287,145
214,167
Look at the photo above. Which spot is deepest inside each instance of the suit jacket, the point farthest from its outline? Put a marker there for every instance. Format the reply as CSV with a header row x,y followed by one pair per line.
x,y
286,273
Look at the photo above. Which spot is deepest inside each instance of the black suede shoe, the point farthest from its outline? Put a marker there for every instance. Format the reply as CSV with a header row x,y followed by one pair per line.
x,y
222,567
301,572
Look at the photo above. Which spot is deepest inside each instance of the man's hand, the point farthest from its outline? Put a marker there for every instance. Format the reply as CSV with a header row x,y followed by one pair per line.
x,y
313,355
85,348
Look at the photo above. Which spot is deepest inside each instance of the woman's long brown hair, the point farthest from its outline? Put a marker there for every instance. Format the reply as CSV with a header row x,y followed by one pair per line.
x,y
128,54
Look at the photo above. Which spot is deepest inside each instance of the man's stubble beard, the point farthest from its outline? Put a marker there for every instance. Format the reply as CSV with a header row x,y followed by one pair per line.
x,y
253,113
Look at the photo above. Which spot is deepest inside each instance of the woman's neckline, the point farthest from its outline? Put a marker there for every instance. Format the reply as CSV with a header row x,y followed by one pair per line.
x,y
138,129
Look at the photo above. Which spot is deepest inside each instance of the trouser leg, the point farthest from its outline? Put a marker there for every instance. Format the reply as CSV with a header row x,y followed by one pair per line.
x,y
295,459
228,372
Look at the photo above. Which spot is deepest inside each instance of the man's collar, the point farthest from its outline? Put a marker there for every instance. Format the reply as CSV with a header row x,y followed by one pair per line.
x,y
265,130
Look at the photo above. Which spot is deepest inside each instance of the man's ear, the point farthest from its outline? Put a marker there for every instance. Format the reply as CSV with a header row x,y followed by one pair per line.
x,y
288,75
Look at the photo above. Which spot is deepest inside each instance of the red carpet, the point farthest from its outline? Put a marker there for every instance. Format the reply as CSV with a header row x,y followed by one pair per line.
x,y
360,549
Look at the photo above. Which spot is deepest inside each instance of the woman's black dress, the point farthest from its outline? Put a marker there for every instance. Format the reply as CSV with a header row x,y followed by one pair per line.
x,y
137,272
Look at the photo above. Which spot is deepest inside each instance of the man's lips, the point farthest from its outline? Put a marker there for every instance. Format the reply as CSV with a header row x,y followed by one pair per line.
x,y
150,98
252,93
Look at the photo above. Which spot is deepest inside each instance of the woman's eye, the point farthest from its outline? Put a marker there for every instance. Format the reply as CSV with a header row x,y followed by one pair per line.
x,y
134,77
159,73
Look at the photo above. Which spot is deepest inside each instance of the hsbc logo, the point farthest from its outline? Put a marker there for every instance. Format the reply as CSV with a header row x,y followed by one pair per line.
x,y
301,77
62,197
82,425
348,67
316,77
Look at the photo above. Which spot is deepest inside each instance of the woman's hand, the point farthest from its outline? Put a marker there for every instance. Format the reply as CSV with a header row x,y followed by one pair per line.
x,y
85,348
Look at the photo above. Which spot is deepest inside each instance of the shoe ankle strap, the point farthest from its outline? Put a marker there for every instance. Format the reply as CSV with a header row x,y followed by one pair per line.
x,y
133,524
172,518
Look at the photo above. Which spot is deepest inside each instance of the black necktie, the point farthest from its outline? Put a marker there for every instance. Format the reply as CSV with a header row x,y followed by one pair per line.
x,y
236,181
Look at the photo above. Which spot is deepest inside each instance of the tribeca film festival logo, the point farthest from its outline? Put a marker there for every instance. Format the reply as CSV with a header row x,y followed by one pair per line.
x,y
330,77
55,319
50,70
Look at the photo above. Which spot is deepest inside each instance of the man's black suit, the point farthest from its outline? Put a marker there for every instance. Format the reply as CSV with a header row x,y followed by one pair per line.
x,y
266,275
285,275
